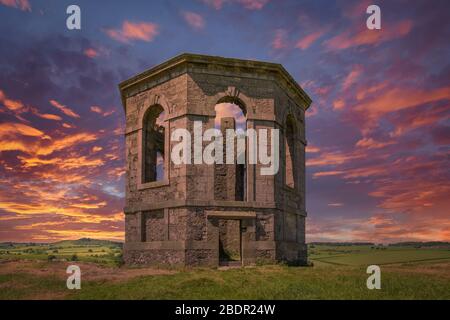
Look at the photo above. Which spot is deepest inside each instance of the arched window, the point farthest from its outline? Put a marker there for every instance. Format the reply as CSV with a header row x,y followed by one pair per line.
x,y
289,151
230,179
153,144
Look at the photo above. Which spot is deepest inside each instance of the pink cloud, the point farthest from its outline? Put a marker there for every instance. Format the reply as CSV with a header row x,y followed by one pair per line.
x,y
144,31
402,98
279,41
352,77
307,41
96,109
253,4
91,53
247,4
370,143
338,104
23,5
369,37
224,110
195,20
335,204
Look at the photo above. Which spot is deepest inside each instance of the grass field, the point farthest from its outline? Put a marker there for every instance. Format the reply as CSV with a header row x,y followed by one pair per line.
x,y
379,255
339,272
89,250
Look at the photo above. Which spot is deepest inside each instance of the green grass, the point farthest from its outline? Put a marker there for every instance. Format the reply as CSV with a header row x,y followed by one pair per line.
x,y
339,272
278,282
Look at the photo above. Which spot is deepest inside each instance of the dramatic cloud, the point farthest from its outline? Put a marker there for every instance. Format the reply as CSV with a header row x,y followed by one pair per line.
x,y
144,31
10,129
378,129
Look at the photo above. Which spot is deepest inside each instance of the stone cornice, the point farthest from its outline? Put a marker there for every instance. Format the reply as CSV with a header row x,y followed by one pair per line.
x,y
188,59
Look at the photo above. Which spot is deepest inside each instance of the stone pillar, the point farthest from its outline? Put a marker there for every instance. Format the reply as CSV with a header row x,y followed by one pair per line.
x,y
225,174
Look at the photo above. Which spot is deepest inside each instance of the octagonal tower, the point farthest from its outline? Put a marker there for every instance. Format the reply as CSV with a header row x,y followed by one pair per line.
x,y
203,214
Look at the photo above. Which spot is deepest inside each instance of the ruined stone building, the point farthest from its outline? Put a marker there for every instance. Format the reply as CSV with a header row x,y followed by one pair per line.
x,y
203,214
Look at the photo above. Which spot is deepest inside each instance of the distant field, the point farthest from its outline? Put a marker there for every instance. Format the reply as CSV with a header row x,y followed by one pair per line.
x,y
366,255
339,272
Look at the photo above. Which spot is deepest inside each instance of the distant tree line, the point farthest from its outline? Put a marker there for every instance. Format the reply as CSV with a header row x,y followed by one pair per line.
x,y
342,243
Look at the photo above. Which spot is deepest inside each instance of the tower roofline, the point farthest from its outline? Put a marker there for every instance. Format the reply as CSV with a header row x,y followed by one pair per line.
x,y
215,60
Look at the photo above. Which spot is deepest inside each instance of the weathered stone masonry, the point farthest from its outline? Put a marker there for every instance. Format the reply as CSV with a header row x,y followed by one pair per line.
x,y
179,219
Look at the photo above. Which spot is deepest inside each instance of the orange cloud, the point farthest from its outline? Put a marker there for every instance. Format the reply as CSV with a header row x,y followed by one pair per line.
x,y
23,5
13,146
312,149
144,31
12,129
68,126
72,234
89,205
10,132
64,163
9,103
326,173
332,158
47,116
64,109
369,37
193,19
65,142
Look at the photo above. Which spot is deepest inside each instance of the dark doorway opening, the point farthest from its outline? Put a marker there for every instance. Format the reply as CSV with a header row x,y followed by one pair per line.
x,y
230,247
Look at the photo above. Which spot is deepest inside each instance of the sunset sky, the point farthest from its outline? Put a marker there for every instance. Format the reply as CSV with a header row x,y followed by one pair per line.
x,y
378,130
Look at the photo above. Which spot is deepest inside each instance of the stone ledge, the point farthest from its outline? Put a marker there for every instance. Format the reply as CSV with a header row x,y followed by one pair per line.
x,y
231,214
199,203
153,184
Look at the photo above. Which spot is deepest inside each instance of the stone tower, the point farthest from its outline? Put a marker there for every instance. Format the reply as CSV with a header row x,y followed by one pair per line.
x,y
203,214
